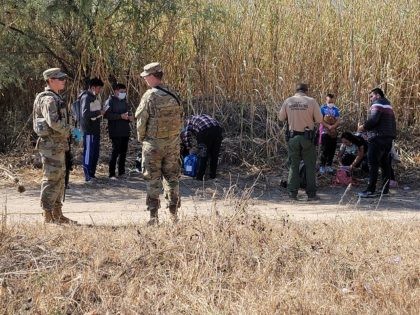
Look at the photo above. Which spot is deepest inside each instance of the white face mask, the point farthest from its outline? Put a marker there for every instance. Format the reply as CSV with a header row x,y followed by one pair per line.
x,y
330,105
122,95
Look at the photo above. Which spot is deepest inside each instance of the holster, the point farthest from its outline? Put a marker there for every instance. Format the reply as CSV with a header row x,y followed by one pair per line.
x,y
309,134
287,135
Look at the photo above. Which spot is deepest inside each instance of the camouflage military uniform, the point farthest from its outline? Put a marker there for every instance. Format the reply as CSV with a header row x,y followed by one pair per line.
x,y
49,118
159,122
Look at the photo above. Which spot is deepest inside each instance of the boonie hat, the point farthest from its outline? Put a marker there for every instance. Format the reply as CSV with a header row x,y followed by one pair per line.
x,y
53,73
151,68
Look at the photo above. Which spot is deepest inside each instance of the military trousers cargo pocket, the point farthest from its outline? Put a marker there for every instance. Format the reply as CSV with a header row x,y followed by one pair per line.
x,y
50,146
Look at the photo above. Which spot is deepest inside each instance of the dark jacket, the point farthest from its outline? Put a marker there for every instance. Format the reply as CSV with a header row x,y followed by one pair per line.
x,y
90,122
381,121
117,127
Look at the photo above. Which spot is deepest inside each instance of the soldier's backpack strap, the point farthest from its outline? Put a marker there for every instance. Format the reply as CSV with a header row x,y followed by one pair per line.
x,y
40,126
40,95
44,93
170,93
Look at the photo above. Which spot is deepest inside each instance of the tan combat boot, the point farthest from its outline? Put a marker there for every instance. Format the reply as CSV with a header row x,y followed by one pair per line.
x,y
174,213
59,218
154,219
48,217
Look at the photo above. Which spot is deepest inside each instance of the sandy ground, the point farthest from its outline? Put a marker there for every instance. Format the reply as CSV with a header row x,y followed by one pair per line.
x,y
122,201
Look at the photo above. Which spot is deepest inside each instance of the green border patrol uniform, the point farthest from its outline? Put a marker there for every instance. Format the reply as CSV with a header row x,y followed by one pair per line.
x,y
301,113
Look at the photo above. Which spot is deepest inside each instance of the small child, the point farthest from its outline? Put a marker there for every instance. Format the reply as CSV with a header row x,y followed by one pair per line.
x,y
328,131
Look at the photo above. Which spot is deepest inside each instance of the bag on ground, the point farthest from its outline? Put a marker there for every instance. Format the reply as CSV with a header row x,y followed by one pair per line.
x,y
190,165
343,176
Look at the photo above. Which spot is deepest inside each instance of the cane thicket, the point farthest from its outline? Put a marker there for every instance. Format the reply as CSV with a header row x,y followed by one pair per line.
x,y
235,59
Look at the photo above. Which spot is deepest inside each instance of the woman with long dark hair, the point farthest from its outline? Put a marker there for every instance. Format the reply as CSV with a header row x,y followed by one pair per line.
x,y
353,151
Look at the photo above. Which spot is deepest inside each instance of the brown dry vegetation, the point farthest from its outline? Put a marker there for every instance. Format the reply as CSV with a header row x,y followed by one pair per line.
x,y
232,264
237,60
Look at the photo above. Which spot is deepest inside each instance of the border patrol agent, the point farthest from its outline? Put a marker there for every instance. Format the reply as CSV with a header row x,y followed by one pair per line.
x,y
301,113
159,123
50,124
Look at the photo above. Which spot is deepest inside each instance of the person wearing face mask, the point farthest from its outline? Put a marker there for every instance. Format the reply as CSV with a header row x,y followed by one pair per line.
x,y
90,105
119,117
328,131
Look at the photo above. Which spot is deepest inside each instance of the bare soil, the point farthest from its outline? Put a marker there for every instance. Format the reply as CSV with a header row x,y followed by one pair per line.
x,y
122,201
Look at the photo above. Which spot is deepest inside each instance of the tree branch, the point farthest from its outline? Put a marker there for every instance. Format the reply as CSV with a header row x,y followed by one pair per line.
x,y
31,37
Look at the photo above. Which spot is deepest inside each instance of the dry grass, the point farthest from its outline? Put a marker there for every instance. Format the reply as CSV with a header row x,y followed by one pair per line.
x,y
234,264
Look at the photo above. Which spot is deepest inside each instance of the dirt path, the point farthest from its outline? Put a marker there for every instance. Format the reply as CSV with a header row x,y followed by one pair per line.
x,y
122,201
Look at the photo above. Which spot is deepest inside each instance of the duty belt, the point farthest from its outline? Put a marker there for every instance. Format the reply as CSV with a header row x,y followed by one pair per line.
x,y
296,133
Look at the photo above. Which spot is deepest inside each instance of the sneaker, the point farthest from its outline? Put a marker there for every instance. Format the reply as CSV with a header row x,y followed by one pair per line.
x,y
112,178
322,170
393,184
367,194
313,198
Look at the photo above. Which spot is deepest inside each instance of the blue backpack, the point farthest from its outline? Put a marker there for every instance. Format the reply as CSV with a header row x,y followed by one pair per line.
x,y
190,165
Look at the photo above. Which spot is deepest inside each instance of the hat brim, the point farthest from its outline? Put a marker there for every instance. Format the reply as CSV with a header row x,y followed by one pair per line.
x,y
144,74
59,75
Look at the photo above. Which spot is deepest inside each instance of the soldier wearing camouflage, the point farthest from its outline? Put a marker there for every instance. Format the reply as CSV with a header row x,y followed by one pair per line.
x,y
50,124
159,123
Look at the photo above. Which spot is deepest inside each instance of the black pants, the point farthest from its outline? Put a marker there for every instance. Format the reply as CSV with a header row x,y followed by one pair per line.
x,y
328,145
378,156
209,141
347,159
392,173
119,150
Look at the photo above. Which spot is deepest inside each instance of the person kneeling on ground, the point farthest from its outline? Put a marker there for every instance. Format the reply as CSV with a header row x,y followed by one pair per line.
x,y
353,151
